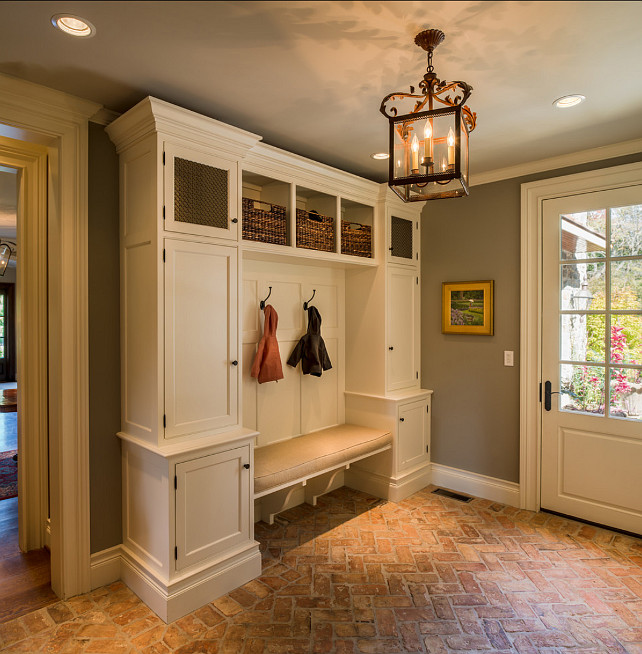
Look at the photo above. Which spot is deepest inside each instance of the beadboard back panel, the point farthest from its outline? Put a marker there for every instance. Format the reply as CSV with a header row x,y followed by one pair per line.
x,y
298,403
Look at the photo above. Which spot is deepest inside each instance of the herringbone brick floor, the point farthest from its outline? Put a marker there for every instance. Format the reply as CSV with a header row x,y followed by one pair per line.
x,y
356,574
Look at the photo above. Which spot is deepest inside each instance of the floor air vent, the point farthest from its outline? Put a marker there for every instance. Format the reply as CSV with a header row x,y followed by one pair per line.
x,y
453,496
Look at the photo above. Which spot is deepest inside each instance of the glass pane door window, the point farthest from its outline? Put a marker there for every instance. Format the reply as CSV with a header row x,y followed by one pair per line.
x,y
600,277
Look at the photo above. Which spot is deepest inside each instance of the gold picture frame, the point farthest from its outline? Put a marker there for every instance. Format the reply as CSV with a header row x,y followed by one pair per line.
x,y
467,308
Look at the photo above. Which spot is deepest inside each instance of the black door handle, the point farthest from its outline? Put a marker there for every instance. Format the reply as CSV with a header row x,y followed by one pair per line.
x,y
547,395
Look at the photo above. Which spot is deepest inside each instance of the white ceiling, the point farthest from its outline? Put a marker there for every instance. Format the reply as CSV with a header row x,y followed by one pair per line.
x,y
309,76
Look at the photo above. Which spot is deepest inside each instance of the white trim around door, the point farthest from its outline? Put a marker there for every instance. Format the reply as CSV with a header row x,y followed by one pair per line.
x,y
58,121
533,195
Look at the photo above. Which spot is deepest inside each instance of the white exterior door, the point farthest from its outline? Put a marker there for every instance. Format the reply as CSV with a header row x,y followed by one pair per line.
x,y
201,341
592,357
212,505
403,328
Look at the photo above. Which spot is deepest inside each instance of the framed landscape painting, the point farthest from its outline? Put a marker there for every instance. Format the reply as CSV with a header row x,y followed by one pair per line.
x,y
467,308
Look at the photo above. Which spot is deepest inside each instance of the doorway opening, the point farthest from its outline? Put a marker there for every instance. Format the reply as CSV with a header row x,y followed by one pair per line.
x,y
25,580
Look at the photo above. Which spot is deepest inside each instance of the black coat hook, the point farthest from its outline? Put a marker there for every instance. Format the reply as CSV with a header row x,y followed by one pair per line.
x,y
305,304
262,302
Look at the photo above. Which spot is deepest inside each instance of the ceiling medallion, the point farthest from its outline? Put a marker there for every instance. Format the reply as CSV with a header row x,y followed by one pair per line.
x,y
428,145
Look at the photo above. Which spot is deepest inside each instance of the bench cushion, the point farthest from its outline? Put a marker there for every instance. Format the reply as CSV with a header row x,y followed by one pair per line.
x,y
304,456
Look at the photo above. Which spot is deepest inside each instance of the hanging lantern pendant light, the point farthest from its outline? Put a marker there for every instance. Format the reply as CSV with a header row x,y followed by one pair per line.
x,y
429,145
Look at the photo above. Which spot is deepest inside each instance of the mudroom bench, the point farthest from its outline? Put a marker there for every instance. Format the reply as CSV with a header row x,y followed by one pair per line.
x,y
312,460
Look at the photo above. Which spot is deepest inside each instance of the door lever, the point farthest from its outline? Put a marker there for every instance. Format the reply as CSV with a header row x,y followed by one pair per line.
x,y
547,395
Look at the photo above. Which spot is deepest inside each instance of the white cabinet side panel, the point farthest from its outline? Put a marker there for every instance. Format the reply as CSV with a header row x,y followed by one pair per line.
x,y
249,387
139,340
200,337
145,515
139,214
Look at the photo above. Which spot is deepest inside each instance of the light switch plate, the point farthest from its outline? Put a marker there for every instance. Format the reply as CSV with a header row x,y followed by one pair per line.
x,y
508,358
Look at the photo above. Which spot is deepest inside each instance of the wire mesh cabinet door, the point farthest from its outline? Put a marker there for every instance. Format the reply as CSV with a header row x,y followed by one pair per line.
x,y
403,240
201,192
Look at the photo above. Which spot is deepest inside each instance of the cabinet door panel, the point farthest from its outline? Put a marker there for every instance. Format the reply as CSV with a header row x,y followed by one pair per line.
x,y
200,337
412,435
403,329
212,505
200,193
403,240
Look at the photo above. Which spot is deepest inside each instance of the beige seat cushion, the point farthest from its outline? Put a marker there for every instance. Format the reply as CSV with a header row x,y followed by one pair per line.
x,y
303,456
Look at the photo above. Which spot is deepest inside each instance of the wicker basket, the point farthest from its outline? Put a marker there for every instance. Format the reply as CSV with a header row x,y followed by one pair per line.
x,y
314,231
356,239
264,222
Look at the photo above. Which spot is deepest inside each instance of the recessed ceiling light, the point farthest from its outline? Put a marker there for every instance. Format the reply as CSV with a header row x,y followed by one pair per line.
x,y
380,155
74,25
569,100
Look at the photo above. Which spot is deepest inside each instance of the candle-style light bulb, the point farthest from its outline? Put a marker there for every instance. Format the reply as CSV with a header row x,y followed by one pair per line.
x,y
427,142
414,146
451,147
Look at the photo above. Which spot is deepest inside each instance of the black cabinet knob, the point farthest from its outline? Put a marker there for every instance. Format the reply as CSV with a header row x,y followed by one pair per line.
x,y
391,348
235,220
235,362
401,419
246,466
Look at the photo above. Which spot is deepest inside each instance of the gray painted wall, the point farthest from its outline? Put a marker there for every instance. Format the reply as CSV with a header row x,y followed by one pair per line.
x,y
475,420
104,342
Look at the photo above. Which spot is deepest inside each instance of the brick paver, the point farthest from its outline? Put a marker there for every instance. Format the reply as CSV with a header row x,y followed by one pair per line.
x,y
357,575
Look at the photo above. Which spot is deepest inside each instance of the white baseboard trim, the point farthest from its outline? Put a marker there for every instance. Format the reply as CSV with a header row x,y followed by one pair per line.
x,y
176,599
472,483
105,567
385,487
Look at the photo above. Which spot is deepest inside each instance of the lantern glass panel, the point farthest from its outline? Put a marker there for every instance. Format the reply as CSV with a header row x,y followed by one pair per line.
x,y
430,155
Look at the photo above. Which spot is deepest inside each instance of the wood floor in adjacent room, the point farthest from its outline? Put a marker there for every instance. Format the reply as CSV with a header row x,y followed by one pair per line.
x,y
25,579
355,574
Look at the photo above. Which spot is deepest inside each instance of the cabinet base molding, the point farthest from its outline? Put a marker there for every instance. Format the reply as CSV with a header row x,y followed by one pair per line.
x,y
171,601
472,483
389,488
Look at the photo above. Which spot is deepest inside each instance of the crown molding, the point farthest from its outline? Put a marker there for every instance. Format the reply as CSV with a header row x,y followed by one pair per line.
x,y
44,101
563,161
104,116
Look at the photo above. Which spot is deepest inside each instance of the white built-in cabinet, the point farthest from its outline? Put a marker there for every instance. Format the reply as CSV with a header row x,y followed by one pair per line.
x,y
187,478
187,457
405,469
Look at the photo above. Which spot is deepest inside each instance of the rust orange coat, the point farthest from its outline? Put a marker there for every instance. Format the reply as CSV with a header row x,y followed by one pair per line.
x,y
267,362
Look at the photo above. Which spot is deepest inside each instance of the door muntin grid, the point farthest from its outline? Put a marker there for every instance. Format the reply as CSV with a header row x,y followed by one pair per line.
x,y
600,285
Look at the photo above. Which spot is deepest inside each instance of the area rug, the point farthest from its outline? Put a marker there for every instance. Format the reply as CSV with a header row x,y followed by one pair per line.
x,y
8,475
